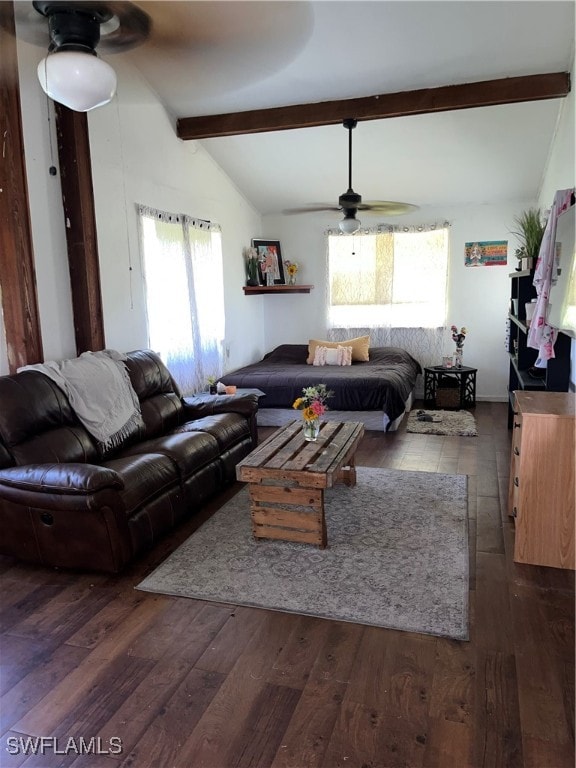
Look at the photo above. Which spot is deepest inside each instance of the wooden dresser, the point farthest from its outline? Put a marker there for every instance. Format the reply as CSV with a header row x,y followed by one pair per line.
x,y
541,495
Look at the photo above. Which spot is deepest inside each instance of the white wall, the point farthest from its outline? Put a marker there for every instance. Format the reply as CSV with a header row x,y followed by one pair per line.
x,y
560,171
478,296
136,157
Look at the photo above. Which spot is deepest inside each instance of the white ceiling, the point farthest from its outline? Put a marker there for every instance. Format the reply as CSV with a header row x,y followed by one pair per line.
x,y
214,57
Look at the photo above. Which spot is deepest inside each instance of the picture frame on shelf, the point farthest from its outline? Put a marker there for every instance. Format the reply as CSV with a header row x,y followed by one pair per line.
x,y
270,260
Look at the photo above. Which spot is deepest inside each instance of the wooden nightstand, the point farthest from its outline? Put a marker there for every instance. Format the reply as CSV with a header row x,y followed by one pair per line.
x,y
460,381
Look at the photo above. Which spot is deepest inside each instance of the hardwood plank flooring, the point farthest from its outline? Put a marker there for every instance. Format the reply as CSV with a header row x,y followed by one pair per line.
x,y
187,684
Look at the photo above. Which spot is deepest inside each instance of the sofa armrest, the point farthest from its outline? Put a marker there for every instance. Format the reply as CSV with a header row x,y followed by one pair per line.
x,y
245,405
197,407
66,478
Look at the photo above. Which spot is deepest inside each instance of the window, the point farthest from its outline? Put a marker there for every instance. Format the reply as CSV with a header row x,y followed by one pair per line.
x,y
395,278
184,287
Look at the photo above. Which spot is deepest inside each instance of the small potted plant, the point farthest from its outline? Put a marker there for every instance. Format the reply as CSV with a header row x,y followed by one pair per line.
x,y
530,233
212,389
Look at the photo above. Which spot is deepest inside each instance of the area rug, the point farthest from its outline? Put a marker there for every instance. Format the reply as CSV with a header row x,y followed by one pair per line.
x,y
397,557
443,423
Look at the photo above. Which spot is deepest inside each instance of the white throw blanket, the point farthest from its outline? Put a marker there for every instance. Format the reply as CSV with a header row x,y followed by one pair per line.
x,y
99,390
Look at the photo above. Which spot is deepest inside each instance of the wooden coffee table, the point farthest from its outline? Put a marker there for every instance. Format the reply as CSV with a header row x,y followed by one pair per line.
x,y
287,477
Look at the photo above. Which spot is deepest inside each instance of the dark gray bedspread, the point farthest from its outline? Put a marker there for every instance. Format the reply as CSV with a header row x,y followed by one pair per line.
x,y
383,383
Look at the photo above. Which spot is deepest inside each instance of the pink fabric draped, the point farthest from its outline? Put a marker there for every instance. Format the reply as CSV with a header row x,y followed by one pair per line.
x,y
542,336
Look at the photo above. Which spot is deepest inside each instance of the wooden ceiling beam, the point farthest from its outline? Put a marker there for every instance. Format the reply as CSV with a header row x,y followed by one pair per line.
x,y
509,90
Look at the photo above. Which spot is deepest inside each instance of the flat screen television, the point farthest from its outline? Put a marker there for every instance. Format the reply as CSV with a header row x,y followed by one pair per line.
x,y
562,301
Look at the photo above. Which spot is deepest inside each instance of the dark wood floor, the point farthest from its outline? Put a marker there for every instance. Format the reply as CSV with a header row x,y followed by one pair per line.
x,y
184,683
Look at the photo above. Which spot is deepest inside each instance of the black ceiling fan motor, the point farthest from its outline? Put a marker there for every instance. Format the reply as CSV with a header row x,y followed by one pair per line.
x,y
73,28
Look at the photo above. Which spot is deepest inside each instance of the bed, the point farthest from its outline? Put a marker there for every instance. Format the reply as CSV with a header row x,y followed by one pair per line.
x,y
377,392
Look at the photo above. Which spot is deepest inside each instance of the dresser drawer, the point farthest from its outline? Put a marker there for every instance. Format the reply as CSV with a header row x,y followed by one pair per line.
x,y
515,464
516,433
514,499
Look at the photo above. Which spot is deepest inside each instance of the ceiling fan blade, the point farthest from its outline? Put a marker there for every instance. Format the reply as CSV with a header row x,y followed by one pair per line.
x,y
312,208
129,26
388,207
381,207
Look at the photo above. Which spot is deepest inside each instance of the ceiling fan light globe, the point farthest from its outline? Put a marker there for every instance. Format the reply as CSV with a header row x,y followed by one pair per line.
x,y
349,225
78,80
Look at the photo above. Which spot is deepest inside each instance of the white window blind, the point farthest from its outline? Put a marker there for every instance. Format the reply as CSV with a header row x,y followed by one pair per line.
x,y
393,278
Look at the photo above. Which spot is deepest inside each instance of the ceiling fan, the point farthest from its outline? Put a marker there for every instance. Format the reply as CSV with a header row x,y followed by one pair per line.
x,y
226,45
351,202
71,73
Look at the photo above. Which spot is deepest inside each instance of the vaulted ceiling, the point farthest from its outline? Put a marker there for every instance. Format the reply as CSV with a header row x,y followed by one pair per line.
x,y
206,58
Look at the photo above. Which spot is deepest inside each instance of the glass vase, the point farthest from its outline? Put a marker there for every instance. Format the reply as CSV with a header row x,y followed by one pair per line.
x,y
291,279
311,429
459,357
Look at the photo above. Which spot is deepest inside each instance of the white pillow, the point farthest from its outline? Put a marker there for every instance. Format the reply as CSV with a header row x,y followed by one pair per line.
x,y
333,355
319,356
346,355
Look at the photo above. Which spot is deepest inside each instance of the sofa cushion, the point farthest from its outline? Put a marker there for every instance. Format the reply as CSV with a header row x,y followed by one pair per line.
x,y
37,424
157,391
227,428
145,477
189,451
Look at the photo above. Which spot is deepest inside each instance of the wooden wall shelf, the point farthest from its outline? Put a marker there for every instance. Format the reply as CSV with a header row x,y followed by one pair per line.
x,y
251,290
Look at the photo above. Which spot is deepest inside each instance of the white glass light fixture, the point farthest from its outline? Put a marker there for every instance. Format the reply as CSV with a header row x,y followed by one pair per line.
x,y
349,224
77,79
72,74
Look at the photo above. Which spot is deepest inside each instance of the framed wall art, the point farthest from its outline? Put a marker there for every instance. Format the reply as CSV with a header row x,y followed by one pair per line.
x,y
270,261
486,253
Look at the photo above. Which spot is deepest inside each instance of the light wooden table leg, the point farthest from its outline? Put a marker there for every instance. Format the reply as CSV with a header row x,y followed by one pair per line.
x,y
347,475
324,534
277,513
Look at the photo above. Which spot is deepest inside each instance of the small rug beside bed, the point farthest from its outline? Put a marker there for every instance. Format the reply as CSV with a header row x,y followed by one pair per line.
x,y
450,423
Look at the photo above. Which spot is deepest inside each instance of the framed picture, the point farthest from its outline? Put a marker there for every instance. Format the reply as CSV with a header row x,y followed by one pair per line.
x,y
270,261
486,253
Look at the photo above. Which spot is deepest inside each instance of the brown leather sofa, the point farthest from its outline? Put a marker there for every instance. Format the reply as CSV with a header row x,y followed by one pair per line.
x,y
63,503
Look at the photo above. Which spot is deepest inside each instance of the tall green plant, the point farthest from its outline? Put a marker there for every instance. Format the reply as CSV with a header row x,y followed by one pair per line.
x,y
530,232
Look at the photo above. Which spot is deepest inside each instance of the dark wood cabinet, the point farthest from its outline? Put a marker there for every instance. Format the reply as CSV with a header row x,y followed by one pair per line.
x,y
450,387
522,357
